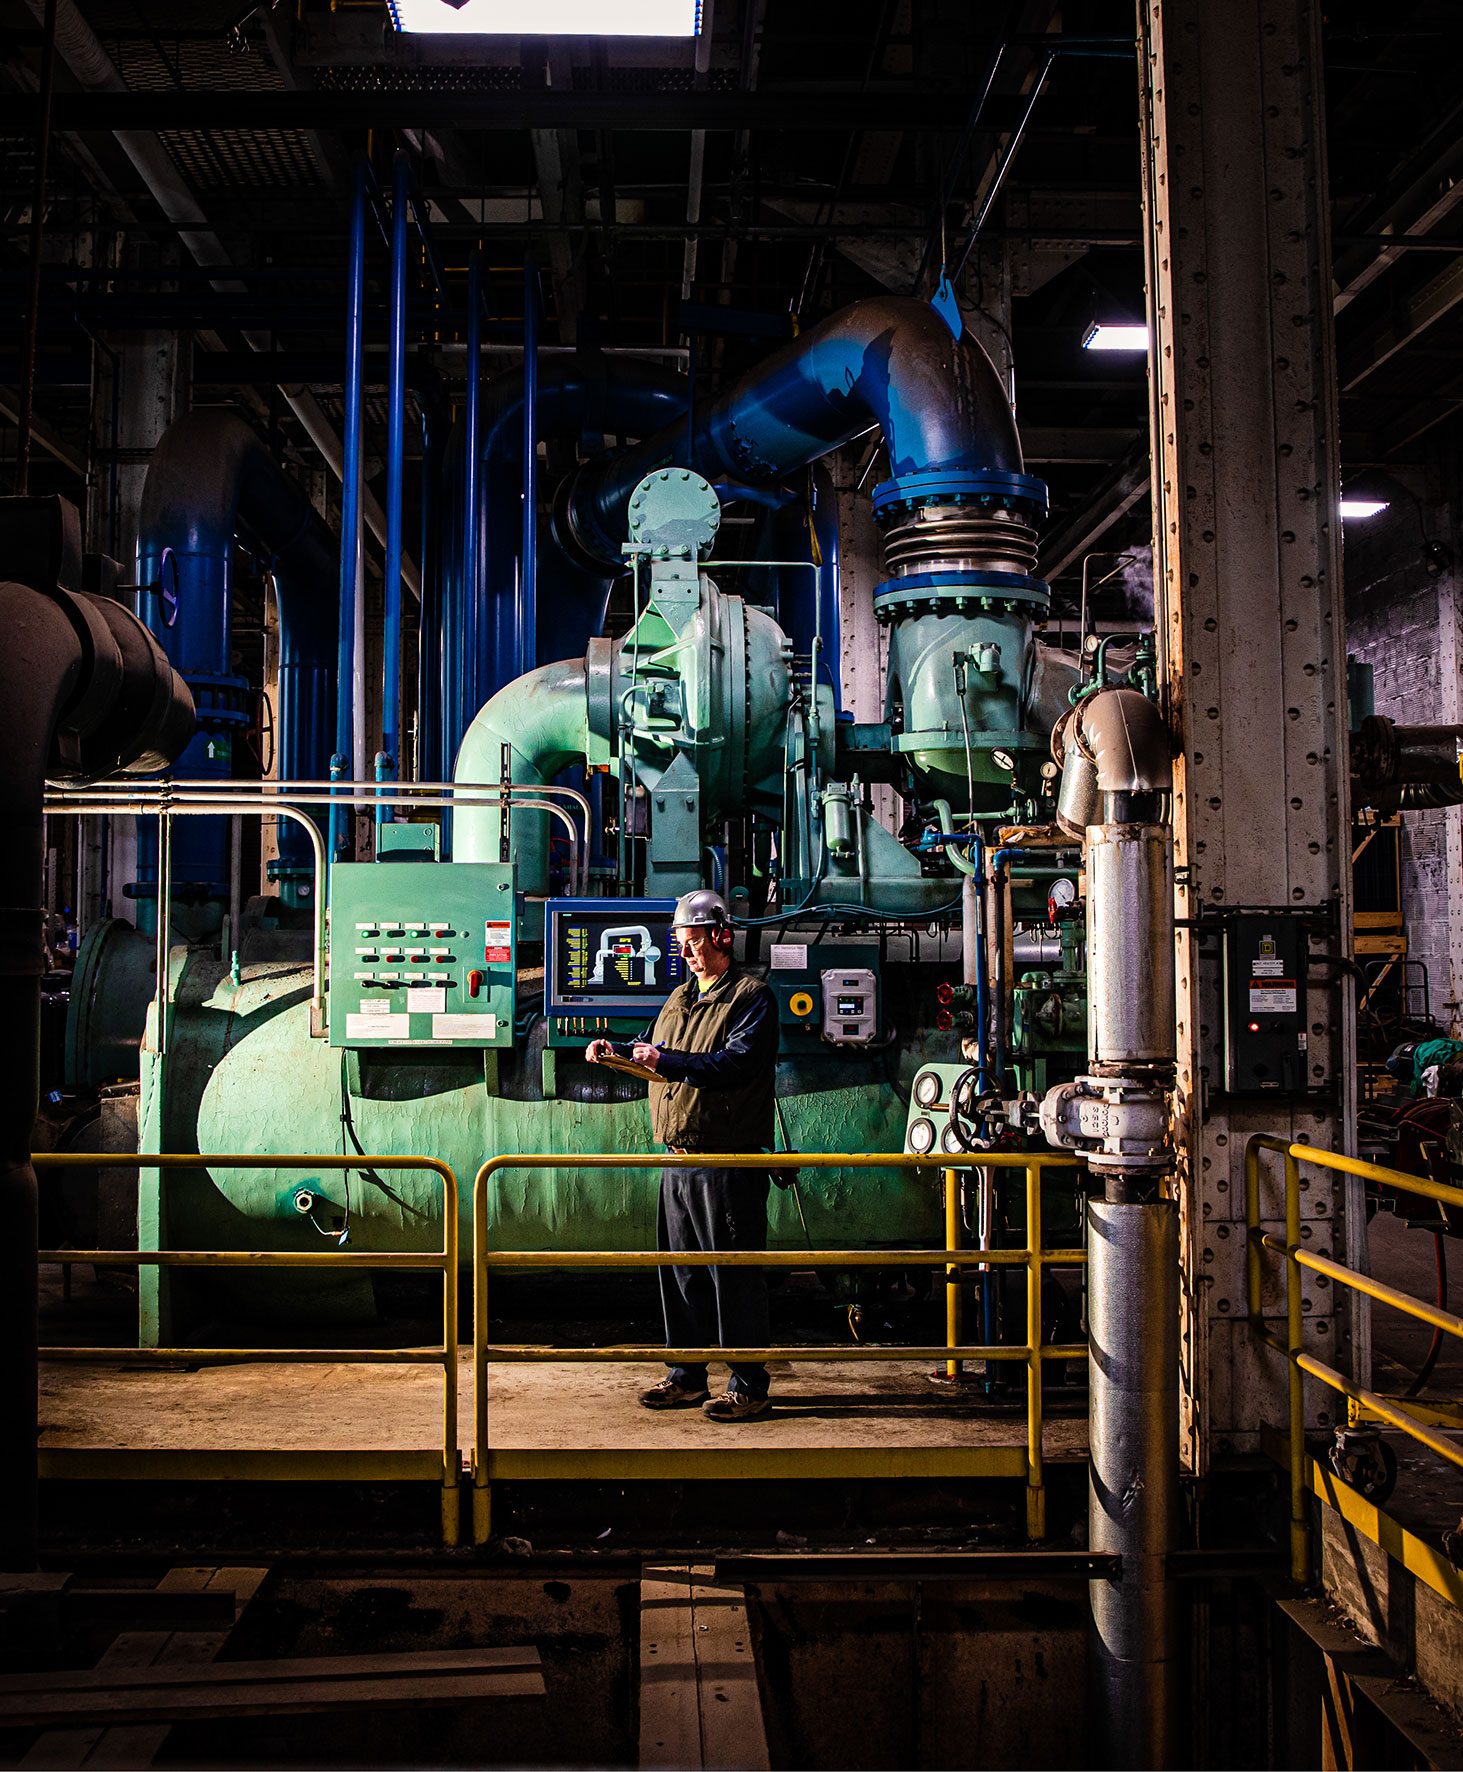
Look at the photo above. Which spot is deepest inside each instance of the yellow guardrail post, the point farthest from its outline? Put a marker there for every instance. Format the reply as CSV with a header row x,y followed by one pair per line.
x,y
1300,1545
443,1261
954,1274
1035,1476
482,1495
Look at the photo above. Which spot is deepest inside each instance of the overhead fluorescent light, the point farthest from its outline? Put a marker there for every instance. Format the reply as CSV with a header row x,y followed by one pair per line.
x,y
548,18
1362,507
1104,335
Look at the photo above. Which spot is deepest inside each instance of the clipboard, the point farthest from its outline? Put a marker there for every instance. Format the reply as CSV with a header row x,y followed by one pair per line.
x,y
627,1067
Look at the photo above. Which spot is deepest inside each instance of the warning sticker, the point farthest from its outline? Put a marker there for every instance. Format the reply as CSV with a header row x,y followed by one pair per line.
x,y
497,943
1273,998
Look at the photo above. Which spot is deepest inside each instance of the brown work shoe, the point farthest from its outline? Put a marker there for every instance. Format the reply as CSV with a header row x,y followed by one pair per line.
x,y
670,1395
735,1406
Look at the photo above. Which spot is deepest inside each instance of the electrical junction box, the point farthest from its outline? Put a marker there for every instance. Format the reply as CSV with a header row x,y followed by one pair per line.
x,y
422,955
1264,1004
823,988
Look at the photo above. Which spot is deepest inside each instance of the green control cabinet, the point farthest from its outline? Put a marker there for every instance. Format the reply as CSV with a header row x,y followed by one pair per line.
x,y
422,955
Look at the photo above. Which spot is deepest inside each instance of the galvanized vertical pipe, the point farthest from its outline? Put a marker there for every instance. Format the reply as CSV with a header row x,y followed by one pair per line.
x,y
395,452
1133,1311
350,496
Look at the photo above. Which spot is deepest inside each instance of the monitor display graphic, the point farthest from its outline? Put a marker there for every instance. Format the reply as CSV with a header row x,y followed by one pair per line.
x,y
610,956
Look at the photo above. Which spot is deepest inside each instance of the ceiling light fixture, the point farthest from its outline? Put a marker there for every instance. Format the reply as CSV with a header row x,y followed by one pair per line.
x,y
1362,507
547,18
1106,335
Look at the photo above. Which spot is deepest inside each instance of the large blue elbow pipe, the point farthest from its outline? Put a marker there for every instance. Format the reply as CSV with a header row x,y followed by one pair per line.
x,y
212,482
588,401
889,361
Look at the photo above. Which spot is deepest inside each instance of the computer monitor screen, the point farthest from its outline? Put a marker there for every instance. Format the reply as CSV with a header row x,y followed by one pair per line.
x,y
610,956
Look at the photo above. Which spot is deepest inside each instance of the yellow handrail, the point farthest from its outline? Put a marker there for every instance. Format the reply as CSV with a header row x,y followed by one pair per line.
x,y
1033,1258
443,1260
1298,1362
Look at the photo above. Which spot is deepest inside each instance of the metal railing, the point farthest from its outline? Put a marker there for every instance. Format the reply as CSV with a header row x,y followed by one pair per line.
x,y
1033,1258
443,1261
1298,1361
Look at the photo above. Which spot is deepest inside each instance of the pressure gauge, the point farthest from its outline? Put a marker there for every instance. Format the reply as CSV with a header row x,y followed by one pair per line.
x,y
927,1088
1063,892
950,1142
921,1136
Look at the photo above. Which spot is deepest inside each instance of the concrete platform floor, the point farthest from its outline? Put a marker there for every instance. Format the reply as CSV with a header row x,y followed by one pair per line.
x,y
841,1405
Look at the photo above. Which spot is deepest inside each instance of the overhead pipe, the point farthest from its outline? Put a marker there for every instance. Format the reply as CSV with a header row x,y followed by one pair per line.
x,y
1406,768
889,361
88,692
212,482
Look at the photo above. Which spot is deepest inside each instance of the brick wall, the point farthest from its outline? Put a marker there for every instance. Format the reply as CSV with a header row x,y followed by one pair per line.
x,y
1399,616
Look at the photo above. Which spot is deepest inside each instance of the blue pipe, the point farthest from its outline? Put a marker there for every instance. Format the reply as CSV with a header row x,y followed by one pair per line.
x,y
350,495
431,653
528,559
211,482
889,361
395,452
466,664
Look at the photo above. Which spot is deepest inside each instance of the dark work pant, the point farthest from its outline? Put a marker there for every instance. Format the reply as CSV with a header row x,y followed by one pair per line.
x,y
714,1306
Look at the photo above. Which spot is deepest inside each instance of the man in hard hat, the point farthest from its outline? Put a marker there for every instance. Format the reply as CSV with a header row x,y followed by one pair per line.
x,y
713,1050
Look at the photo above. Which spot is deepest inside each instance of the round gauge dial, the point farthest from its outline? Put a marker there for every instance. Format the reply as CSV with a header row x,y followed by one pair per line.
x,y
1061,894
921,1137
950,1142
927,1088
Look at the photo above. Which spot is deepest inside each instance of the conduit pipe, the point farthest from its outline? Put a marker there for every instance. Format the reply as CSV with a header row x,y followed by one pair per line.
x,y
87,692
889,361
1116,776
350,745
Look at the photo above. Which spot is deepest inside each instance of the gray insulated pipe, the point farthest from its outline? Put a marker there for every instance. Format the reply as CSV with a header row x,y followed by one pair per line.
x,y
890,361
87,693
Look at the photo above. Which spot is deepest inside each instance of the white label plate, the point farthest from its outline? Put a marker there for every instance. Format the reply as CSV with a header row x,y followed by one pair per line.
x,y
789,956
378,1027
431,1001
464,1027
375,1006
1276,999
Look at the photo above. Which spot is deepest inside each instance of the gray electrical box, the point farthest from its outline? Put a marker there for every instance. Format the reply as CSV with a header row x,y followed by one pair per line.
x,y
850,1005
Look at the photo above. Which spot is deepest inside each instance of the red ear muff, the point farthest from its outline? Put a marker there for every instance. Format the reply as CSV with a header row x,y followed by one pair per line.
x,y
724,938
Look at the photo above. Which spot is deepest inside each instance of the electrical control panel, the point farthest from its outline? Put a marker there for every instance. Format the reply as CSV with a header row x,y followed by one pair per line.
x,y
827,993
1264,1004
423,955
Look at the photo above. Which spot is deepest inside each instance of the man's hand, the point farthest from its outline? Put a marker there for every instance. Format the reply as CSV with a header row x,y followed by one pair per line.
x,y
598,1050
649,1056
